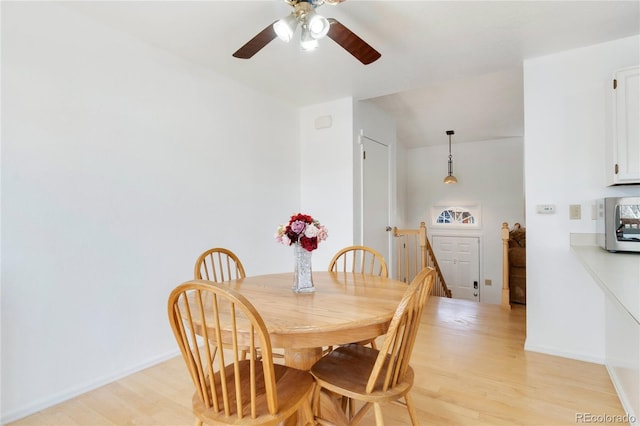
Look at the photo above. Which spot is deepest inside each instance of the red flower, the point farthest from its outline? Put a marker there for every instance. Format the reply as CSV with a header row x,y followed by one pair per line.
x,y
301,217
309,244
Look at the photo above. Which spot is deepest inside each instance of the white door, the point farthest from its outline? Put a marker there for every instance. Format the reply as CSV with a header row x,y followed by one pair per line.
x,y
459,260
376,199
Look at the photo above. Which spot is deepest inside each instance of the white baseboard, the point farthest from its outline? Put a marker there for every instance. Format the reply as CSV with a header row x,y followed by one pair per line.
x,y
571,355
67,394
624,399
631,415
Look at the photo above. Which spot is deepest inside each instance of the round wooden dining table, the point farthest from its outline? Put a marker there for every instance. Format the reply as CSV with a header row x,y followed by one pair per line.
x,y
345,308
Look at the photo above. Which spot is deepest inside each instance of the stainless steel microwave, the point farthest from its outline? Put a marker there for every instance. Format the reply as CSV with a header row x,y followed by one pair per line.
x,y
618,224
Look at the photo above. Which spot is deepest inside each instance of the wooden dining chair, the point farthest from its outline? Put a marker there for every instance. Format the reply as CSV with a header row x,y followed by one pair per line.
x,y
359,259
218,264
229,389
373,377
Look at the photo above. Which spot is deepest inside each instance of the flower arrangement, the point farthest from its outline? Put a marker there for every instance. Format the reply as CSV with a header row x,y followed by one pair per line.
x,y
302,229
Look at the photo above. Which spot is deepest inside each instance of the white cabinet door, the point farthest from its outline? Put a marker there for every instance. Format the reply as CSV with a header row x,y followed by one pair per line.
x,y
626,127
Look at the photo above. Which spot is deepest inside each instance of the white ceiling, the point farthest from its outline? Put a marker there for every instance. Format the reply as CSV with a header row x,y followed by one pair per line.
x,y
445,64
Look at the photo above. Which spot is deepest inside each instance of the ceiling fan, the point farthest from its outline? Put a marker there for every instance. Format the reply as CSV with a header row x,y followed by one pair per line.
x,y
313,27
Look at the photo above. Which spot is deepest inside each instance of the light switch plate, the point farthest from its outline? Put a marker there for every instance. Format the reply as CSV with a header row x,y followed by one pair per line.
x,y
575,211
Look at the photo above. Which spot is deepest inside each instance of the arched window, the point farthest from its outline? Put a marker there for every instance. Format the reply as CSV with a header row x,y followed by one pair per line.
x,y
456,216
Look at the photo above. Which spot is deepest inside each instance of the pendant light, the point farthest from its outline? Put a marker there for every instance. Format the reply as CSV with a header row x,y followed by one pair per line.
x,y
450,177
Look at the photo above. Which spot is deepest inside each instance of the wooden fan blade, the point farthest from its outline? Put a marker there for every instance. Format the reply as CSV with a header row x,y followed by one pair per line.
x,y
254,45
353,44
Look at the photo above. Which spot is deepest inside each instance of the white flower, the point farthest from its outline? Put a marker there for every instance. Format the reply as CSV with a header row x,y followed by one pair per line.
x,y
311,231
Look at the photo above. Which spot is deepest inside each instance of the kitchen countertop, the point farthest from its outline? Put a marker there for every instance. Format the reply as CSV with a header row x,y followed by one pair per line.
x,y
617,273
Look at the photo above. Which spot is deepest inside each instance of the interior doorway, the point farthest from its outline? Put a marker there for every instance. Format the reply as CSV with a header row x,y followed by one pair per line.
x,y
376,196
459,260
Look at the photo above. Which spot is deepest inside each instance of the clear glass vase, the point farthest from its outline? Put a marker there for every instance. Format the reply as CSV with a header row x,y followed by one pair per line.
x,y
302,278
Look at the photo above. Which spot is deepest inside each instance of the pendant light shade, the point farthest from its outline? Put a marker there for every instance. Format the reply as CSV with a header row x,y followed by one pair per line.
x,y
318,25
450,178
285,27
307,41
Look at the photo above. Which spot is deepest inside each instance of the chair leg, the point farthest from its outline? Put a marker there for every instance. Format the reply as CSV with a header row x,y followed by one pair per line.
x,y
412,410
344,403
359,415
377,409
347,404
306,413
327,408
315,400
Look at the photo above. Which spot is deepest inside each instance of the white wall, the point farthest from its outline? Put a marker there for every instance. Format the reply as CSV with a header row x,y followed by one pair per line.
x,y
565,130
490,175
327,174
330,168
402,177
120,164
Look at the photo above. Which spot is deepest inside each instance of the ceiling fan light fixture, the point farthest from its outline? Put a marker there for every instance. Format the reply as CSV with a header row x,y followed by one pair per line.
x,y
285,27
318,25
450,178
314,27
307,42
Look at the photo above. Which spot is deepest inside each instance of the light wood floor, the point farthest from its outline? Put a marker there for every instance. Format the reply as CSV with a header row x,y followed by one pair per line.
x,y
470,365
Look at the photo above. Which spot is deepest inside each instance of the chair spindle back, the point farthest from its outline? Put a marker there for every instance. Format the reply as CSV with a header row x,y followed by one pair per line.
x,y
359,259
218,264
204,316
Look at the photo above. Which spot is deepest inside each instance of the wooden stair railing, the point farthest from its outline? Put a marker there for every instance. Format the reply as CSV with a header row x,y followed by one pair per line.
x,y
415,253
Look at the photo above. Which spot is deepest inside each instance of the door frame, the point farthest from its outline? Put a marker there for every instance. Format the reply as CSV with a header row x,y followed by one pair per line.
x,y
458,233
389,255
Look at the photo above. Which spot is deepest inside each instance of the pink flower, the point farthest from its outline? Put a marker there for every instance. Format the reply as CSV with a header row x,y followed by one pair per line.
x,y
298,226
322,233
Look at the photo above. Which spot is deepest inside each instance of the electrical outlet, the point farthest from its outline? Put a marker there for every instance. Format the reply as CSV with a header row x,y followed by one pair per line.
x,y
575,211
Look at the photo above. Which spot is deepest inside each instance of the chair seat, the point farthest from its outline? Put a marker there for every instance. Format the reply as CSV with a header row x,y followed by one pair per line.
x,y
347,369
292,385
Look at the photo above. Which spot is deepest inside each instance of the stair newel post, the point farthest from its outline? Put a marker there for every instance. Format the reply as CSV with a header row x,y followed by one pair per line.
x,y
423,245
505,266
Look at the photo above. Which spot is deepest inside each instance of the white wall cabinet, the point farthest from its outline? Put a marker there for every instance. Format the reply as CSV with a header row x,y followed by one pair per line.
x,y
624,152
